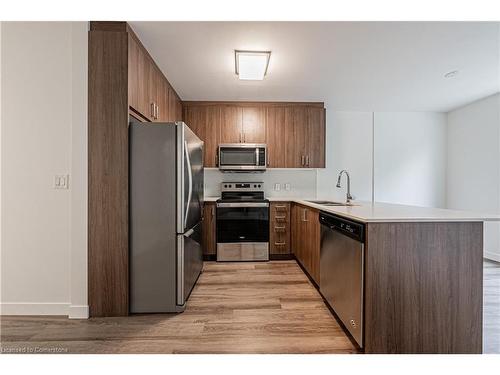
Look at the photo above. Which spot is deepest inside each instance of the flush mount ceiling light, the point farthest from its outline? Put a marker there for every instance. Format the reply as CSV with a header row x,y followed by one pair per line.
x,y
251,65
451,74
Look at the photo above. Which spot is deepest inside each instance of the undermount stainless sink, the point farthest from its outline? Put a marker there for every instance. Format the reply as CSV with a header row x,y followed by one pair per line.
x,y
331,203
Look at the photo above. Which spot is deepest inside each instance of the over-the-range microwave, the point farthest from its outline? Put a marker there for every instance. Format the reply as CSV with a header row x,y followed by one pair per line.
x,y
242,157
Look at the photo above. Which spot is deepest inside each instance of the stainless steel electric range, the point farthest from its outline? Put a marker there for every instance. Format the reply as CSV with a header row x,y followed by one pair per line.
x,y
242,222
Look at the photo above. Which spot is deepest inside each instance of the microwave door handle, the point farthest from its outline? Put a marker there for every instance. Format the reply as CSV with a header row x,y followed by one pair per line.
x,y
190,178
257,156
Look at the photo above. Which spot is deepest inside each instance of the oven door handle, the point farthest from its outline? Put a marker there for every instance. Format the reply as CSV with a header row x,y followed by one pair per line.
x,y
242,204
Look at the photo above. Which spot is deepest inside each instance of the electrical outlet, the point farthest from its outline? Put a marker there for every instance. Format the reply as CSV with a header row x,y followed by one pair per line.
x,y
287,186
61,181
277,187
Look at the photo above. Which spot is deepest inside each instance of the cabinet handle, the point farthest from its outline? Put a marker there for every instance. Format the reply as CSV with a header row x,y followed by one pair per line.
x,y
280,217
280,243
275,227
302,160
213,212
244,137
152,111
307,160
157,112
240,137
304,214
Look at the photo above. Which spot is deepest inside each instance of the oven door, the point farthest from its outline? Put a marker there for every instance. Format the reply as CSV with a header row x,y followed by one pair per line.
x,y
241,157
242,231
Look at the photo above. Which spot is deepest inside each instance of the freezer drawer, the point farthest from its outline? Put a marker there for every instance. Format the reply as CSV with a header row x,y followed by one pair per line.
x,y
189,261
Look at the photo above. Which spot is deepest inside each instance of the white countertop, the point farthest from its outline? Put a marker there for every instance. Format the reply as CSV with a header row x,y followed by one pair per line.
x,y
385,212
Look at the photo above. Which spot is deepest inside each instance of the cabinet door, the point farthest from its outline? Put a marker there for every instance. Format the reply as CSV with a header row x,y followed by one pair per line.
x,y
205,122
178,110
276,143
162,98
315,146
209,247
143,78
231,131
297,236
279,231
312,240
133,72
172,106
295,136
196,119
254,124
212,135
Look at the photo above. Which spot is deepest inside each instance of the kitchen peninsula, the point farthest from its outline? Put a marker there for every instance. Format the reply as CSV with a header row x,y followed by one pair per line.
x,y
422,271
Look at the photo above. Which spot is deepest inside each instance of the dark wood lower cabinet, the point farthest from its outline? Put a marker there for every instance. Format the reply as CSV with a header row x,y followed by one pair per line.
x,y
306,238
279,230
209,228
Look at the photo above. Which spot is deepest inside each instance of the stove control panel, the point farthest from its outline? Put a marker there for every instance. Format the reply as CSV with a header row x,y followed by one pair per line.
x,y
242,186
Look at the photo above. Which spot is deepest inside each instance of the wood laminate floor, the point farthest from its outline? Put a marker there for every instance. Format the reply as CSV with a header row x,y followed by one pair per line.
x,y
235,308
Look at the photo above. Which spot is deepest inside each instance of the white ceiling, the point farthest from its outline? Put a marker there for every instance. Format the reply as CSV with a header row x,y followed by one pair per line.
x,y
360,66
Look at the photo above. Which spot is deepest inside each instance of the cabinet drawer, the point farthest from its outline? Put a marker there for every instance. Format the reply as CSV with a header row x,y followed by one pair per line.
x,y
279,240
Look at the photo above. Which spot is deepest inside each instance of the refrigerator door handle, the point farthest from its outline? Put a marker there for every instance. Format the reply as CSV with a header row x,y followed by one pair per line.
x,y
180,270
190,177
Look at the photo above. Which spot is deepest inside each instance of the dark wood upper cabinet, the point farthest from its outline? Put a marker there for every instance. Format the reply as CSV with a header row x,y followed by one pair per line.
x,y
295,136
150,95
316,132
294,132
275,135
231,130
254,124
205,122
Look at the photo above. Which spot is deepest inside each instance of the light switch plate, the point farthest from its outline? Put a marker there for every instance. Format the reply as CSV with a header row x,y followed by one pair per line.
x,y
61,181
287,186
277,187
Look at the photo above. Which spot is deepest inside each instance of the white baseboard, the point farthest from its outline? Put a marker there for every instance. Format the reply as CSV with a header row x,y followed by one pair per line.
x,y
34,308
492,256
78,312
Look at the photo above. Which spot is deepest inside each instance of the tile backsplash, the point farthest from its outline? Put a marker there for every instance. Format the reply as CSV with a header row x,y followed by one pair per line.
x,y
301,182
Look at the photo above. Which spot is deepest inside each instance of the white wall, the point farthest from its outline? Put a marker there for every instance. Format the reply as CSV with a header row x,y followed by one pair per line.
x,y
410,158
43,118
349,140
474,164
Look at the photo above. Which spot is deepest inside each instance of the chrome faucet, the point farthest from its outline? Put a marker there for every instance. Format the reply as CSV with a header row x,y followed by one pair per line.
x,y
348,195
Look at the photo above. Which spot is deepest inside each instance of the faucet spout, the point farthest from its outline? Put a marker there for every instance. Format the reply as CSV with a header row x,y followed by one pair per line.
x,y
348,193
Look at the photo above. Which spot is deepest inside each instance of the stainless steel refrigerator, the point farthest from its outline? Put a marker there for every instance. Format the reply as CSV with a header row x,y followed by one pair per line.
x,y
166,198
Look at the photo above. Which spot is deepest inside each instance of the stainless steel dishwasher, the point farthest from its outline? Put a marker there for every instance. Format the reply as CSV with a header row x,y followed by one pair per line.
x,y
341,270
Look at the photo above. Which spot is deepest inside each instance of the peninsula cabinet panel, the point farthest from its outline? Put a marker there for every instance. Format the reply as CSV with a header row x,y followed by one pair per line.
x,y
423,287
254,125
231,129
276,142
